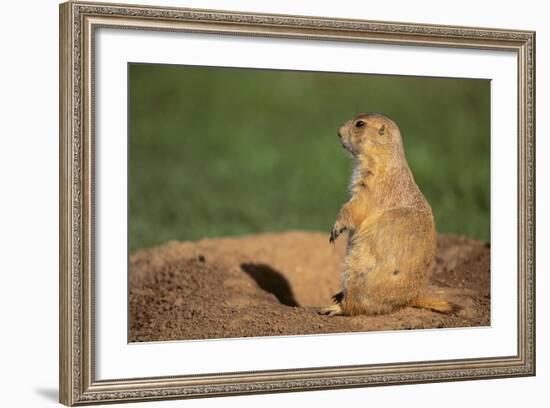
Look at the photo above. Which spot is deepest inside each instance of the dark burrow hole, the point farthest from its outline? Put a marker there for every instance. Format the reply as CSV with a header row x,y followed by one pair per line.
x,y
271,281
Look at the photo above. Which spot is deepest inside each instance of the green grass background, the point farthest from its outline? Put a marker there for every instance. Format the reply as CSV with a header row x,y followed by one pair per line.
x,y
221,151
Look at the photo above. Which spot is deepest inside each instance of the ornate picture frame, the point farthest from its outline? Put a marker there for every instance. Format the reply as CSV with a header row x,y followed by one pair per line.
x,y
78,24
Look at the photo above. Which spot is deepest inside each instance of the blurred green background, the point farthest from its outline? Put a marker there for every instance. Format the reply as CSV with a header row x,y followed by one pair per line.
x,y
224,151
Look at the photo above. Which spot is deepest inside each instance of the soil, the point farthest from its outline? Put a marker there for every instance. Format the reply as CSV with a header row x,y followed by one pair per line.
x,y
270,285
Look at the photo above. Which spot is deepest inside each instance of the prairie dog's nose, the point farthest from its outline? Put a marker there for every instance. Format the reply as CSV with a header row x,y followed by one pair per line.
x,y
340,132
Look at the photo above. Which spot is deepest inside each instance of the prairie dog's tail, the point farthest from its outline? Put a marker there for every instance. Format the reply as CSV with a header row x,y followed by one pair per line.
x,y
437,305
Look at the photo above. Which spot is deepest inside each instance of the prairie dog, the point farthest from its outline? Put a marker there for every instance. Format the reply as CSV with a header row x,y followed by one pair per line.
x,y
392,237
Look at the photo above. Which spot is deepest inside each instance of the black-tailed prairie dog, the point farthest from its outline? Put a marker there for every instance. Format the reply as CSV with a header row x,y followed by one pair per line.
x,y
391,229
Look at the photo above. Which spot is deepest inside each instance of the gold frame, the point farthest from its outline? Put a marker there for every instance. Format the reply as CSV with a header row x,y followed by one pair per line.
x,y
78,22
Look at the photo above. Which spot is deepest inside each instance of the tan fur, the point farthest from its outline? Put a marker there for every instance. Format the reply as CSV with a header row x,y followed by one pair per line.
x,y
437,305
392,238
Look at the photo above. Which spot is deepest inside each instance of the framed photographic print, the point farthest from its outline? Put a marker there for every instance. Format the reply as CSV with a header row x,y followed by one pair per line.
x,y
256,203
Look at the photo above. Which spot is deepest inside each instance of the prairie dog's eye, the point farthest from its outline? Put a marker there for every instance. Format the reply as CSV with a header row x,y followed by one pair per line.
x,y
359,124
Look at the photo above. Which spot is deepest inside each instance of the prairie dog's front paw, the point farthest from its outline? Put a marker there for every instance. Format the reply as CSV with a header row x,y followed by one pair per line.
x,y
337,229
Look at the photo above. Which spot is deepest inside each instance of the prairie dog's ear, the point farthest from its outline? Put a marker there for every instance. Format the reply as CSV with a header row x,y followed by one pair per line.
x,y
382,130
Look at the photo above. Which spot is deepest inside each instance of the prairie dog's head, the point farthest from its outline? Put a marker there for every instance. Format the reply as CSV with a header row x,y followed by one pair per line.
x,y
372,134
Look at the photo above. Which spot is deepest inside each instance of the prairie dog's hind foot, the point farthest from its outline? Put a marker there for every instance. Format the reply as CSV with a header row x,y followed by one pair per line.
x,y
332,310
338,297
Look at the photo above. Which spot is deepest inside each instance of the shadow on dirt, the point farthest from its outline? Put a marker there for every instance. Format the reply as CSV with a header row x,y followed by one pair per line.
x,y
271,281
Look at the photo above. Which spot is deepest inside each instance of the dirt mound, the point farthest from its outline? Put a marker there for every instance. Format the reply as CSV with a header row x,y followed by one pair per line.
x,y
268,285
